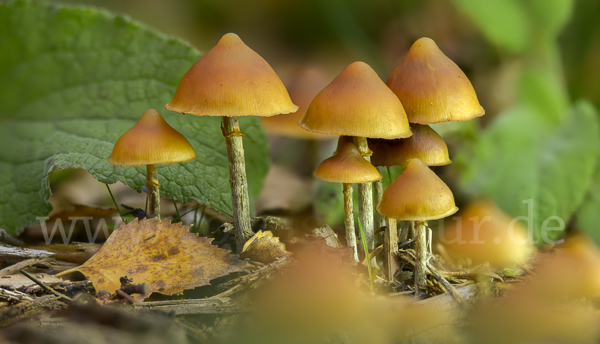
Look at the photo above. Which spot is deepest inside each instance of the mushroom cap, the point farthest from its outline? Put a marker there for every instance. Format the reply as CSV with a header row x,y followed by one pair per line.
x,y
302,90
151,141
357,103
348,166
483,233
425,144
231,80
432,88
576,265
418,194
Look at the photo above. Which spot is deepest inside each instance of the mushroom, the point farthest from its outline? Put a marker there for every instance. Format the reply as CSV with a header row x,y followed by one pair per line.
x,y
432,88
425,144
485,234
151,141
347,166
232,80
357,103
418,194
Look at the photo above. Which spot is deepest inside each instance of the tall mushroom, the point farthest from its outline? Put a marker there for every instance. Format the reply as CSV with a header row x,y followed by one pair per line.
x,y
357,103
151,141
347,166
432,89
232,80
419,195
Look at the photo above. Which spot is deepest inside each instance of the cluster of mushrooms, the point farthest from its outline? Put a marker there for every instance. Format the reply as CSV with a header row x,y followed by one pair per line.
x,y
373,118
379,124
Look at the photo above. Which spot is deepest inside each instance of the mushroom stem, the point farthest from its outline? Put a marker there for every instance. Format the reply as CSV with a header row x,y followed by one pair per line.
x,y
380,220
365,196
421,257
153,193
391,249
349,220
237,179
402,231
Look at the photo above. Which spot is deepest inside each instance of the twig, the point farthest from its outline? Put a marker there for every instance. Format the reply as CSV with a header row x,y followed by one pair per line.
x,y
47,288
11,270
13,295
7,238
242,282
193,306
125,296
28,309
449,288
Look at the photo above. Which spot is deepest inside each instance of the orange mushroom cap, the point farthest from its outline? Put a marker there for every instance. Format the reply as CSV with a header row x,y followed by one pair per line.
x,y
418,194
151,141
432,88
425,144
483,233
348,166
357,103
231,80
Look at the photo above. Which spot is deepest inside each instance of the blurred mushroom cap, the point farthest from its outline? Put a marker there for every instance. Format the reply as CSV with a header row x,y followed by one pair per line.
x,y
151,141
357,103
231,80
303,88
432,88
425,144
348,166
483,233
418,194
571,272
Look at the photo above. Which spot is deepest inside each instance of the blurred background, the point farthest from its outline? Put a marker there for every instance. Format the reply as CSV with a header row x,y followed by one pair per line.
x,y
529,61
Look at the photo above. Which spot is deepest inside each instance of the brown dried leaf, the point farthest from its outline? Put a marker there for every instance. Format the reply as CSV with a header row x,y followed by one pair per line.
x,y
165,256
263,247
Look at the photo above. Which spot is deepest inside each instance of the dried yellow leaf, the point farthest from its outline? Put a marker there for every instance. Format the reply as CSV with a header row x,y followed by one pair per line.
x,y
165,256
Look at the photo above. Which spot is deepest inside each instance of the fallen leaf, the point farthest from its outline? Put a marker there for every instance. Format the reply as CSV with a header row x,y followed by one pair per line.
x,y
165,256
263,247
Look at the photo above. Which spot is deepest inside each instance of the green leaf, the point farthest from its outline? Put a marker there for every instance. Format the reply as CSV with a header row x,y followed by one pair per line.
x,y
540,89
523,157
550,16
588,215
72,80
504,22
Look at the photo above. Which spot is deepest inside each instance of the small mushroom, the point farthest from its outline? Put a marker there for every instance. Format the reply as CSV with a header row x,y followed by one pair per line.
x,y
357,103
425,144
418,194
347,166
232,80
151,141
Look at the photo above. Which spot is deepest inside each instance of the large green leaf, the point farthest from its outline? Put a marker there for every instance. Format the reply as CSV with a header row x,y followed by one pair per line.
x,y
72,80
504,22
588,216
525,157
550,16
